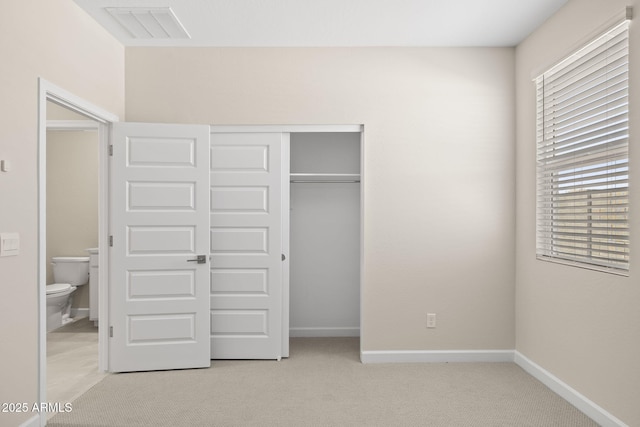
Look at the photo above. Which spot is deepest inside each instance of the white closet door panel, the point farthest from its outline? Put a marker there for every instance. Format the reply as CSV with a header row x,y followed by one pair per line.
x,y
240,281
246,246
240,199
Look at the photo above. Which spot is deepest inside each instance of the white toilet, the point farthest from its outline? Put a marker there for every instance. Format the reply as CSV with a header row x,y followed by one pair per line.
x,y
68,273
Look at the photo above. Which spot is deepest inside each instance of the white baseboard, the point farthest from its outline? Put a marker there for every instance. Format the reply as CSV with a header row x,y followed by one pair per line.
x,y
323,332
589,408
437,356
32,422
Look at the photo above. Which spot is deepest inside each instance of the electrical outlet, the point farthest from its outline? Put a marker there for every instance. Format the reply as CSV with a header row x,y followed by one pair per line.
x,y
431,320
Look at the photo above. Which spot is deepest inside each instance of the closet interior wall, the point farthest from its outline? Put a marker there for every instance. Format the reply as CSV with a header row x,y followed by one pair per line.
x,y
325,234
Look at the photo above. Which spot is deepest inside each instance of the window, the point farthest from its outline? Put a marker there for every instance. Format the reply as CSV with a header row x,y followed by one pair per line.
x,y
582,205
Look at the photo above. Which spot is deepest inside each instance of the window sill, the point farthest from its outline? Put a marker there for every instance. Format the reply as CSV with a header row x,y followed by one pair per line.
x,y
610,270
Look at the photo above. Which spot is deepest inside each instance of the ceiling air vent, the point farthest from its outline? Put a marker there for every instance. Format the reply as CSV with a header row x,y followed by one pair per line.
x,y
149,22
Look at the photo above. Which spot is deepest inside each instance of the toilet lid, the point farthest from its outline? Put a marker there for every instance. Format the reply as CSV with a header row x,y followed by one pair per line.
x,y
57,288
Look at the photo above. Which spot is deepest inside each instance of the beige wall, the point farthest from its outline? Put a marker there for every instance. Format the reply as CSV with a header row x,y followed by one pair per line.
x,y
438,177
72,199
439,182
59,42
582,326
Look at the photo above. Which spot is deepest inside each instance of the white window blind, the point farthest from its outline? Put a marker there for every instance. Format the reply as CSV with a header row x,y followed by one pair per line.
x,y
582,156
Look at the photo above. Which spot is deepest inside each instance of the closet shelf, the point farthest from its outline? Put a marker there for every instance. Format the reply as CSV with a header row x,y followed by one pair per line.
x,y
324,177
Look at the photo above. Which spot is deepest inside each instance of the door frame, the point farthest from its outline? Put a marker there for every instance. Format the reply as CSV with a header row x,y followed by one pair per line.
x,y
48,91
344,128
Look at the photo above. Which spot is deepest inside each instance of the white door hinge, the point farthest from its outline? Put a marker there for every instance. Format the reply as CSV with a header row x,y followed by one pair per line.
x,y
110,331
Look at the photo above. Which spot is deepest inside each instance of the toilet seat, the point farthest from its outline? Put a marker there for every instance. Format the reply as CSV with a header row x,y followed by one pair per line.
x,y
56,288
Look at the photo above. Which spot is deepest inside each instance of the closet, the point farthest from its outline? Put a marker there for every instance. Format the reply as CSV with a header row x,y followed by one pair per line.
x,y
281,258
324,234
285,237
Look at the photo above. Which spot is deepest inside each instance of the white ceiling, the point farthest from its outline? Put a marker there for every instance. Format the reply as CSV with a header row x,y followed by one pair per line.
x,y
339,22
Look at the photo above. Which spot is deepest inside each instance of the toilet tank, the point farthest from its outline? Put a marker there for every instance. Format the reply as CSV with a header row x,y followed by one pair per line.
x,y
72,270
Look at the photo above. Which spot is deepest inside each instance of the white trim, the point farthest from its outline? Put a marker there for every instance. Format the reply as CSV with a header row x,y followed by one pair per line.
x,y
436,356
42,244
578,264
285,128
589,408
324,332
103,247
72,125
362,204
74,103
47,91
35,421
285,203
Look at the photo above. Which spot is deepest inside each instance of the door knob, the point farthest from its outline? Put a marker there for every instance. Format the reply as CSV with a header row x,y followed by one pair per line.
x,y
200,259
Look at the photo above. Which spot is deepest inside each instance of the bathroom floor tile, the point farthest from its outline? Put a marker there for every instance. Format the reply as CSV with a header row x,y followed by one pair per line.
x,y
72,361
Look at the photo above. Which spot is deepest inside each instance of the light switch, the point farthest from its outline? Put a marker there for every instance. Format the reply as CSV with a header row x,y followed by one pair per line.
x,y
9,244
5,166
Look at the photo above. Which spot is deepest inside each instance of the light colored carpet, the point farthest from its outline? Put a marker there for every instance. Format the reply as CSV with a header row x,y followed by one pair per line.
x,y
323,383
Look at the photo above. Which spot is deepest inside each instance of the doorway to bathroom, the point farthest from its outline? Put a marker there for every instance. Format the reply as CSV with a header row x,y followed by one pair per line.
x,y
72,174
72,142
